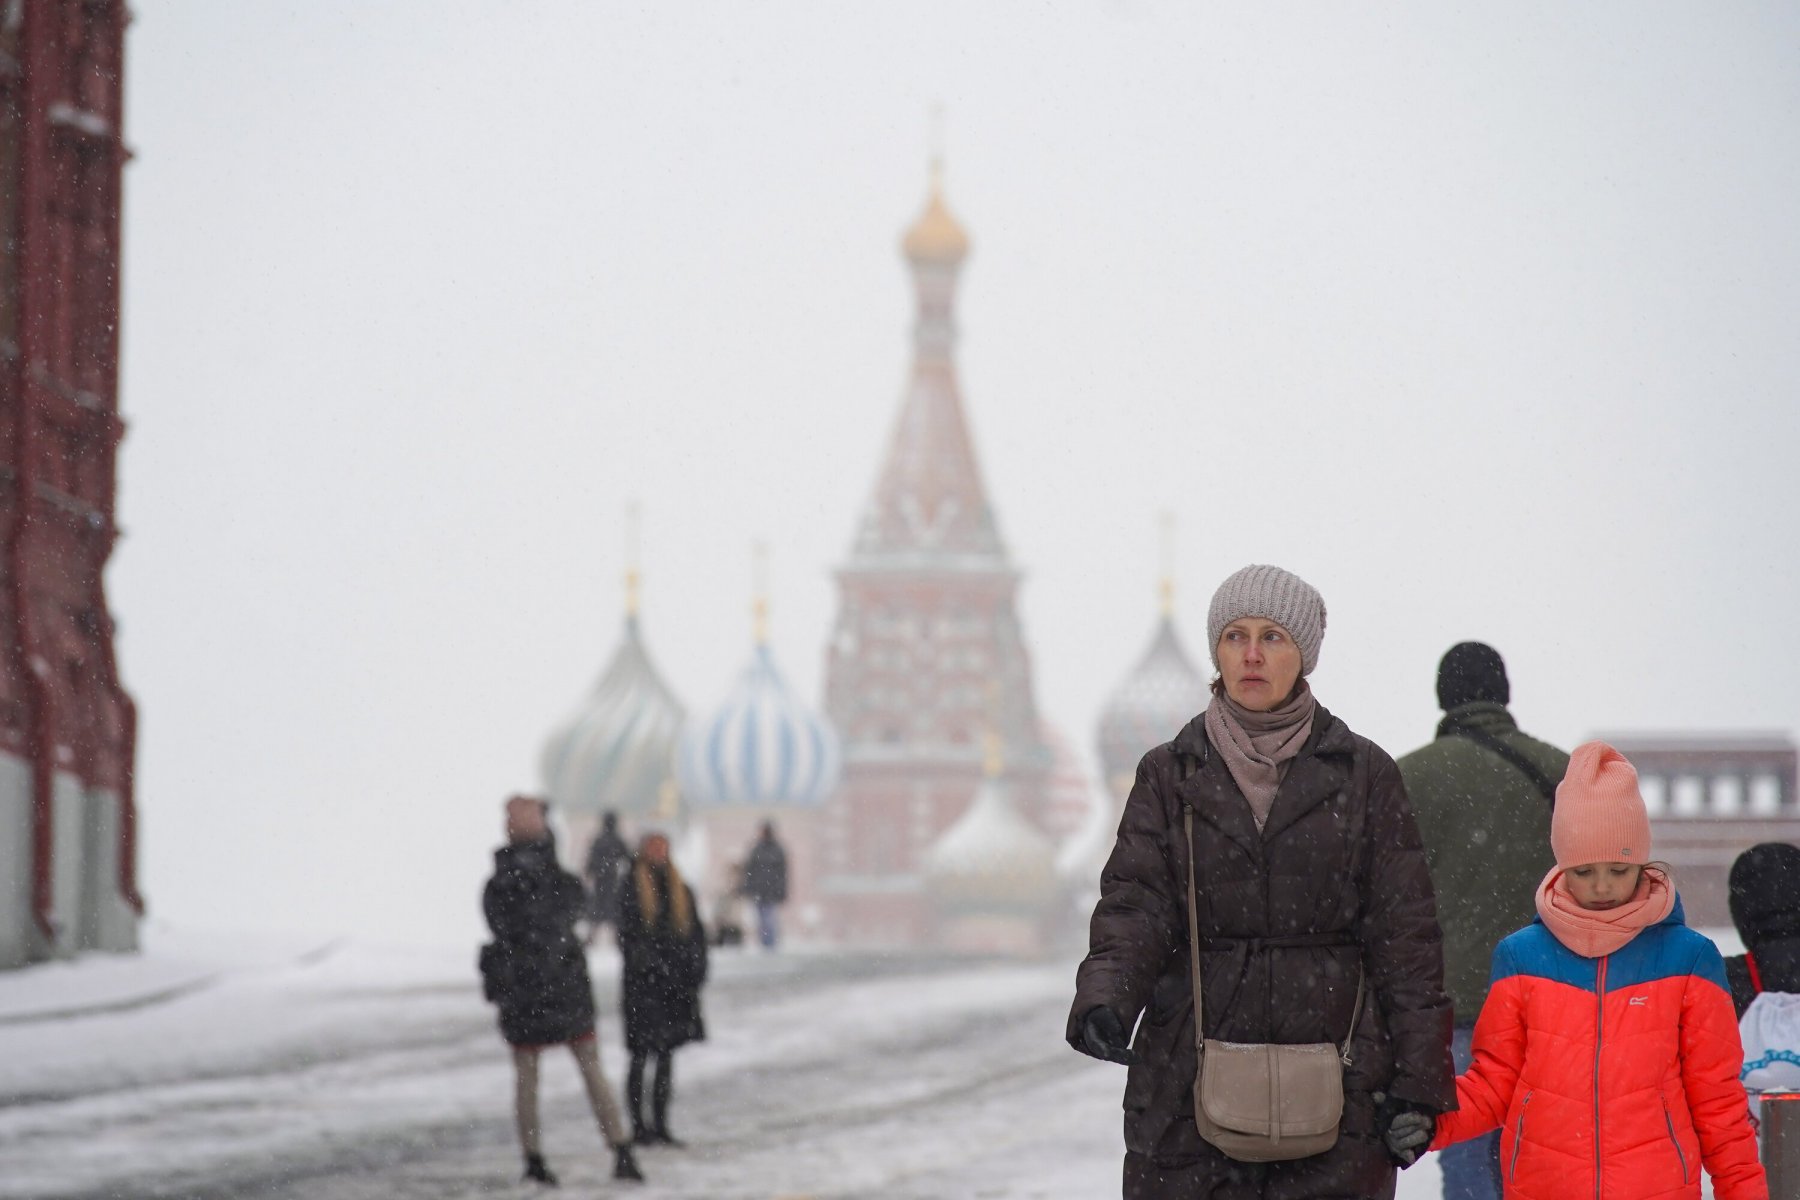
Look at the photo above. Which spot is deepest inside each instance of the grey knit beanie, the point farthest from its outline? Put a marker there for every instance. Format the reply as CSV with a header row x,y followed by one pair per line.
x,y
1274,595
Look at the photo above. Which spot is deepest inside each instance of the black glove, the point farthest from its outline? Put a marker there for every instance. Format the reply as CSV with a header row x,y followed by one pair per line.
x,y
1406,1128
1103,1036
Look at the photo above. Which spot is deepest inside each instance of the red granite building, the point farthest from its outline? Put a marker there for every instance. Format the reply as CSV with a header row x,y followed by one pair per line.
x,y
67,821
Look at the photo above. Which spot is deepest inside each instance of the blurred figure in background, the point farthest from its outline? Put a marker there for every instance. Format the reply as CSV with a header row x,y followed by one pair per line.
x,y
664,948
1765,907
1765,979
1482,794
534,970
728,908
608,859
766,883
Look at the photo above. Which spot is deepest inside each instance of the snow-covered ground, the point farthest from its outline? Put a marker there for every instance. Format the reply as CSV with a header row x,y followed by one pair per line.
x,y
211,1068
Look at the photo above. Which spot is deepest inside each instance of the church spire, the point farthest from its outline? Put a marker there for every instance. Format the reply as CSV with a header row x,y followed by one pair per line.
x,y
929,499
759,604
632,577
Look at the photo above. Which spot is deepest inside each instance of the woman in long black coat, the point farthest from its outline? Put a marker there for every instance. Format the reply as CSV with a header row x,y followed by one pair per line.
x,y
664,947
1310,874
535,972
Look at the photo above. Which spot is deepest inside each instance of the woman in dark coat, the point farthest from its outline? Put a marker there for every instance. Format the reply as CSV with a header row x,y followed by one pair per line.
x,y
1309,870
535,971
664,947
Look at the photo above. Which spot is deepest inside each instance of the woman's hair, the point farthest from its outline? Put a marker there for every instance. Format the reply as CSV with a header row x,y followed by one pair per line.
x,y
681,912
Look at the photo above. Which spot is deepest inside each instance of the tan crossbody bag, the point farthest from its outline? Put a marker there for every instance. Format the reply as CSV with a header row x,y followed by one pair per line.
x,y
1257,1101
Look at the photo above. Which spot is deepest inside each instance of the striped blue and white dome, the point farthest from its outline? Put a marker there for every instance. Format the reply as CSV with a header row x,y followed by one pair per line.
x,y
762,748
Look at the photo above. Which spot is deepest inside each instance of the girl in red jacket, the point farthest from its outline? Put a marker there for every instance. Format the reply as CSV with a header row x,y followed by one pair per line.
x,y
1607,1052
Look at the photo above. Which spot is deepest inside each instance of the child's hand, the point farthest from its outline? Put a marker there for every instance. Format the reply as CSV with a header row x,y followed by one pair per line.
x,y
1406,1129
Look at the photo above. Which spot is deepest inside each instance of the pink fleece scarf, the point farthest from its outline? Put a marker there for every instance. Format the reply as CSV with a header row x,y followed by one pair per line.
x,y
1593,933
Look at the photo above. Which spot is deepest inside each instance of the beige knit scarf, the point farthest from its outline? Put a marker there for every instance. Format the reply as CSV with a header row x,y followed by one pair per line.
x,y
1257,746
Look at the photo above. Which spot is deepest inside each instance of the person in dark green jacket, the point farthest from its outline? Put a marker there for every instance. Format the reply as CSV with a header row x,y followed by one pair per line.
x,y
1481,793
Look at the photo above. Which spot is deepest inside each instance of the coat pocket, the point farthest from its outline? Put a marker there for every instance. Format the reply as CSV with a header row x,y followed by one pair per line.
x,y
1675,1140
1512,1167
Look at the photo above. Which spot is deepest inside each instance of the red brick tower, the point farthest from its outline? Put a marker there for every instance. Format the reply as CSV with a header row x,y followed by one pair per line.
x,y
67,823
927,653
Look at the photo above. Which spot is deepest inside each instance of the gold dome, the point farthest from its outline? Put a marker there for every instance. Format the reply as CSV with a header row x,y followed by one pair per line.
x,y
936,236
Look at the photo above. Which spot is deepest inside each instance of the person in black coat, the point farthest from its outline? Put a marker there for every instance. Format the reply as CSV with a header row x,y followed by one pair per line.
x,y
1765,906
535,972
766,883
608,859
664,948
1311,889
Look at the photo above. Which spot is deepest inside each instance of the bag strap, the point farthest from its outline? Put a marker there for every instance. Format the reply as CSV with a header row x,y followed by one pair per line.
x,y
1511,754
1187,823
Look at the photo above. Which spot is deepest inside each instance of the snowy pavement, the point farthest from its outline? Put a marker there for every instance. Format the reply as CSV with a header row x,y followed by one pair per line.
x,y
205,1071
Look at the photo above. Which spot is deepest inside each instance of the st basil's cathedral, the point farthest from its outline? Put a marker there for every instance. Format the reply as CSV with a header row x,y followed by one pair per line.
x,y
929,804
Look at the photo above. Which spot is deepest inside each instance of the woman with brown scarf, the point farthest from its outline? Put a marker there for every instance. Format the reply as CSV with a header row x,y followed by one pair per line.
x,y
1314,919
664,948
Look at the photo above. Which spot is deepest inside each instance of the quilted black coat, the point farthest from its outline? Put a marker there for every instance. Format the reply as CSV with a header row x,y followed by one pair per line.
x,y
1340,854
534,969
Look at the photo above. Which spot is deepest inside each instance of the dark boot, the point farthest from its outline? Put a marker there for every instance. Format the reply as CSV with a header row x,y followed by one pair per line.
x,y
641,1133
660,1096
625,1166
535,1169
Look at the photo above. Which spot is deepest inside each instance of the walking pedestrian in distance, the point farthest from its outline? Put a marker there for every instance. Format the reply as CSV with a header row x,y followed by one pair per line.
x,y
535,971
608,859
766,884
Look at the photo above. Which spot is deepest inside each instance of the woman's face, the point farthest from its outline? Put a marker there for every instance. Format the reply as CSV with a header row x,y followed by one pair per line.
x,y
655,849
1601,886
1259,662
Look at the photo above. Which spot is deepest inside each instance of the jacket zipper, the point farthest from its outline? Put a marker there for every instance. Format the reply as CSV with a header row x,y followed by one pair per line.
x,y
1669,1120
1512,1171
1599,1040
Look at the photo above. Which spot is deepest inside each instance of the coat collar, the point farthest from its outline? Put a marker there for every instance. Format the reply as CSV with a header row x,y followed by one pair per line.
x,y
1313,777
1479,715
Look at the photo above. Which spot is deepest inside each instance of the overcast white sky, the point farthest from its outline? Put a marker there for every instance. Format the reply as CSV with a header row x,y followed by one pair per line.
x,y
1481,318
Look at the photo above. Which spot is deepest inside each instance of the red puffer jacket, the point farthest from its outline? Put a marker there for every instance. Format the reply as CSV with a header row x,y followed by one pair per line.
x,y
1613,1078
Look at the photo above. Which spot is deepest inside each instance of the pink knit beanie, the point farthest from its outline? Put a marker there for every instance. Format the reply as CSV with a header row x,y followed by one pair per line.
x,y
1599,815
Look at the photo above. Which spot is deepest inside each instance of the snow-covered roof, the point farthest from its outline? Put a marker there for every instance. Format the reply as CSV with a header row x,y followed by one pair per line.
x,y
991,860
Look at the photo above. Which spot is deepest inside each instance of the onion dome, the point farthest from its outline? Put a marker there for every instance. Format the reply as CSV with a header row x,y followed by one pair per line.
x,y
992,861
762,748
617,750
936,236
1160,695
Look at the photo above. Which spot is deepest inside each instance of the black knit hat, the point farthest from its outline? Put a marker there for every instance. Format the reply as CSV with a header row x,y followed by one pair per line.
x,y
1765,893
1472,671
